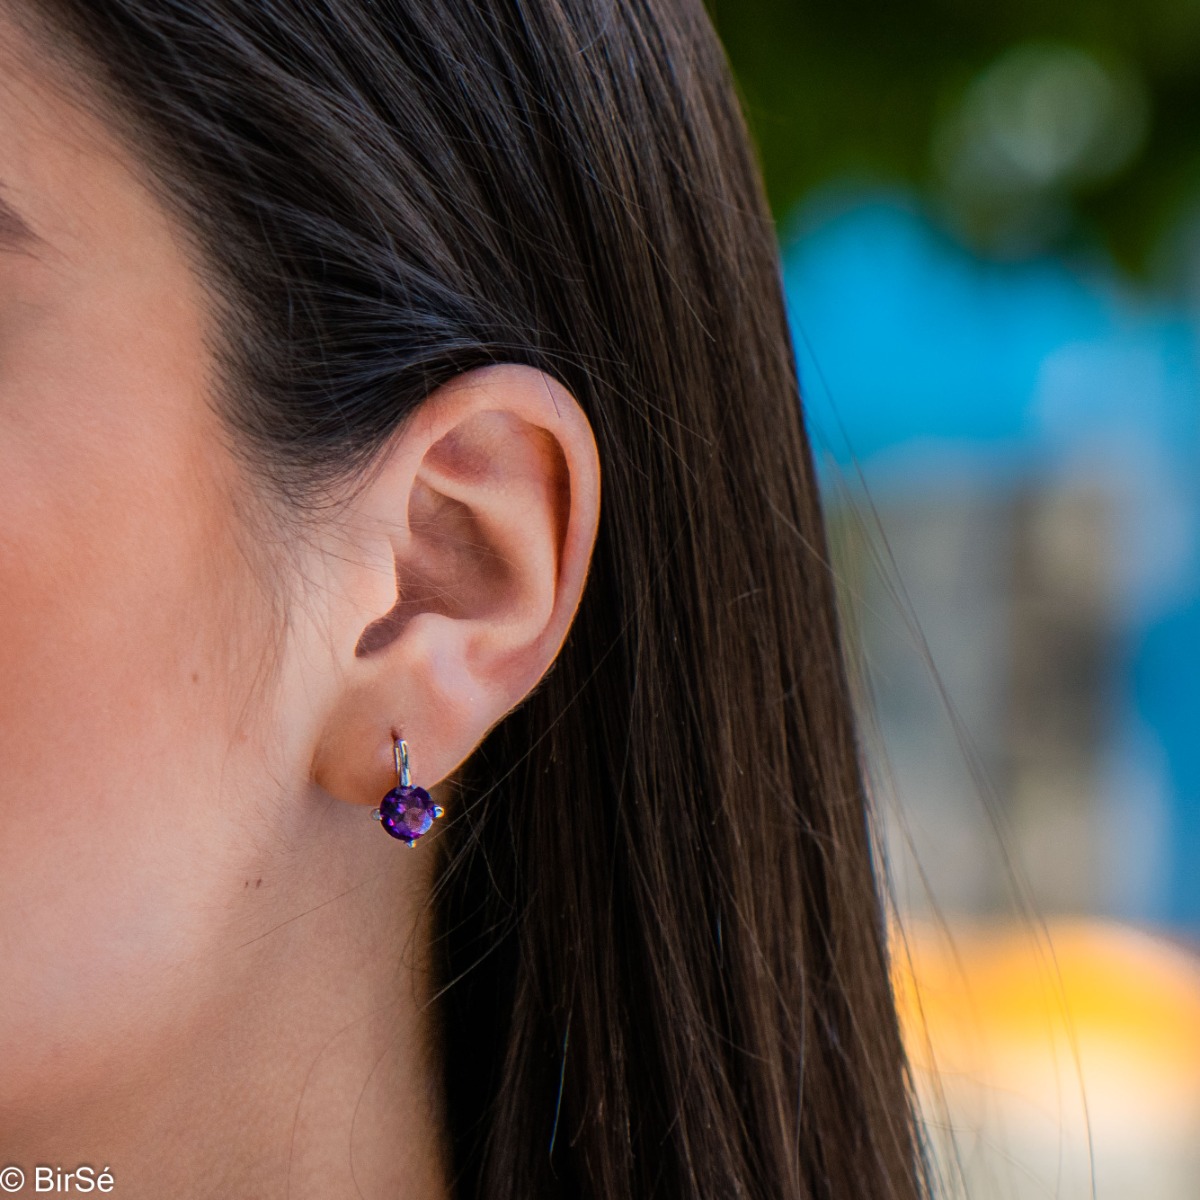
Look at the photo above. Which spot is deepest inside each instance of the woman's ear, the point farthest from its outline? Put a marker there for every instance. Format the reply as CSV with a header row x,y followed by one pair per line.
x,y
453,577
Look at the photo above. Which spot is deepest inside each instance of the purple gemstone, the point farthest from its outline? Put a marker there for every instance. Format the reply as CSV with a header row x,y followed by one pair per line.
x,y
406,812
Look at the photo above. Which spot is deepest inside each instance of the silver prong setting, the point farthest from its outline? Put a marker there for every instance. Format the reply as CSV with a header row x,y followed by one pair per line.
x,y
410,810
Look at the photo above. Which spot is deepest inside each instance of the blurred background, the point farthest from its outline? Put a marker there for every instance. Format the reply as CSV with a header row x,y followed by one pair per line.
x,y
990,223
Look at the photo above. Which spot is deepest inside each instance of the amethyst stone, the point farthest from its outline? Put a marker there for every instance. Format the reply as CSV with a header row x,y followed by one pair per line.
x,y
407,812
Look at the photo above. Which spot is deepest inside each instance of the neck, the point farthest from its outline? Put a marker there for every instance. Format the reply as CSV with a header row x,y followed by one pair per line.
x,y
301,1058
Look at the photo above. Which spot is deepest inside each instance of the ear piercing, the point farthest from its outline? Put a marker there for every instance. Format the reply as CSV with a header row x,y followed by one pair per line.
x,y
407,812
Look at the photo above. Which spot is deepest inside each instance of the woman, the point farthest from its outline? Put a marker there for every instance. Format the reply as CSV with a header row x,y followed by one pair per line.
x,y
322,328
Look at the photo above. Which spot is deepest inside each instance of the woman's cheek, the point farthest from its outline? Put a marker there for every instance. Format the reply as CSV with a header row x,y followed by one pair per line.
x,y
126,621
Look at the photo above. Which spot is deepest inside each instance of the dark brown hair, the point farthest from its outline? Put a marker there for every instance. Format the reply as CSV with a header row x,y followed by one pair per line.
x,y
659,922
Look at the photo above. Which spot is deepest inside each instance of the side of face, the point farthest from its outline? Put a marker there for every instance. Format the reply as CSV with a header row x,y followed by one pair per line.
x,y
191,737
135,634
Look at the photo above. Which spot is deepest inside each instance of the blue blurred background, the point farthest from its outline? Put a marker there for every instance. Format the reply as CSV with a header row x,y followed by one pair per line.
x,y
990,225
1031,430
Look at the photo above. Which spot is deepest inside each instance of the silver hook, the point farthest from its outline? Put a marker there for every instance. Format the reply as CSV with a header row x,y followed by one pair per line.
x,y
400,754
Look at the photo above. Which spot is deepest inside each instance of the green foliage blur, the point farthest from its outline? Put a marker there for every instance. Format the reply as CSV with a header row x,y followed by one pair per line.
x,y
1030,125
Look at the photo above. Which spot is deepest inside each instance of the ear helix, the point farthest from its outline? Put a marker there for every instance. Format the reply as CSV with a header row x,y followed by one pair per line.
x,y
407,812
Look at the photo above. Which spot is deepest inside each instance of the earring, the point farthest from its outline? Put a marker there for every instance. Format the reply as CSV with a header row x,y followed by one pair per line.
x,y
407,812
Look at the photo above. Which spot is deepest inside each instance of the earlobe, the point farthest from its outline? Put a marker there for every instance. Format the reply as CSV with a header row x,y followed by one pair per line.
x,y
489,503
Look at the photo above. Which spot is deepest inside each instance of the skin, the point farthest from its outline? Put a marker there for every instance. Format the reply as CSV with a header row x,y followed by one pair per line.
x,y
216,966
